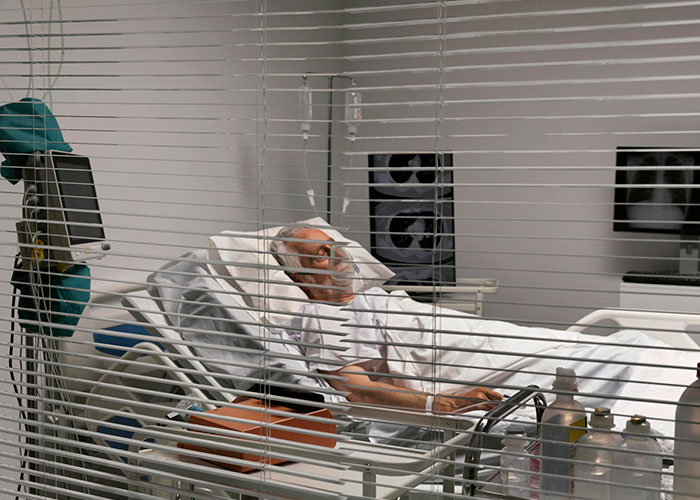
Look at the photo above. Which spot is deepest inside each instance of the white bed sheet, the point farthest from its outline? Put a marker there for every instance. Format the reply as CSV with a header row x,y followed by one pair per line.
x,y
628,371
497,354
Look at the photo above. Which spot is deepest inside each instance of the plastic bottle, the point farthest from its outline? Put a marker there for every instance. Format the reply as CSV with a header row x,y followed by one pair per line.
x,y
515,463
686,461
563,423
594,456
638,463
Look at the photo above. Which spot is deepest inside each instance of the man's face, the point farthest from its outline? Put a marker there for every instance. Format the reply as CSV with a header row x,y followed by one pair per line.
x,y
315,254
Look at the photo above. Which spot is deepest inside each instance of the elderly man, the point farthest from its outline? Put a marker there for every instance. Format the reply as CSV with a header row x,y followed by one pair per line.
x,y
392,350
321,268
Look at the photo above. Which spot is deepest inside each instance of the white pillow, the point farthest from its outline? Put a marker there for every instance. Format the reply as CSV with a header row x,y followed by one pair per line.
x,y
246,263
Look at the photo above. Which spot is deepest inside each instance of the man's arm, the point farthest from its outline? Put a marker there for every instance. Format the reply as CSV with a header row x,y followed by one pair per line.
x,y
362,389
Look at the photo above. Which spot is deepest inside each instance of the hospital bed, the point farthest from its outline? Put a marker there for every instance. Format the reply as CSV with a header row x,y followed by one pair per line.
x,y
123,406
367,468
125,416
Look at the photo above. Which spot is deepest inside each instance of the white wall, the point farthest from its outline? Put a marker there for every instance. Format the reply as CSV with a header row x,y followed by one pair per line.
x,y
176,125
168,102
173,122
511,127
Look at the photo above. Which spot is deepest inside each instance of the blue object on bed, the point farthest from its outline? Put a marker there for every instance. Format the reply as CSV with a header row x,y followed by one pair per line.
x,y
123,433
118,340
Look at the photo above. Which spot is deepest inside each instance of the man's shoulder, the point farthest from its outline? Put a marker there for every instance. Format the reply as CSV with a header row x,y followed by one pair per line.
x,y
370,293
371,297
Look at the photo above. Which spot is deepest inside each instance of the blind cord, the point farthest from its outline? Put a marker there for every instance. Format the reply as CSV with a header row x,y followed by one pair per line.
x,y
15,387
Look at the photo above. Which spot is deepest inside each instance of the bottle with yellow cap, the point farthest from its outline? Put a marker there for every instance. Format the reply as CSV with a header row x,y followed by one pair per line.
x,y
563,423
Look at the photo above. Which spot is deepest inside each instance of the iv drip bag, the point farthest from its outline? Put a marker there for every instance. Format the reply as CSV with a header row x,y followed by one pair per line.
x,y
305,102
353,110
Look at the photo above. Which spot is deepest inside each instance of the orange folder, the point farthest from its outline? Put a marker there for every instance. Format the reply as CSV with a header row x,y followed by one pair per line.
x,y
258,419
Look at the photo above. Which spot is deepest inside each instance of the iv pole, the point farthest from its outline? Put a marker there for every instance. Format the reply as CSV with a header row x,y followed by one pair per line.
x,y
330,136
329,161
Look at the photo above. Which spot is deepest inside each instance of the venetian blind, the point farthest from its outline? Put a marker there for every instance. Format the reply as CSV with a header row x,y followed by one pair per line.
x,y
475,154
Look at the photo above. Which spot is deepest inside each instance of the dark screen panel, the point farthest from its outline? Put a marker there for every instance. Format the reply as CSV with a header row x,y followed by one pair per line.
x,y
656,190
412,217
79,199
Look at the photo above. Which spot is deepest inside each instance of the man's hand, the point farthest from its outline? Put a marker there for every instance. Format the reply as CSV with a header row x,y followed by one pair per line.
x,y
480,398
362,389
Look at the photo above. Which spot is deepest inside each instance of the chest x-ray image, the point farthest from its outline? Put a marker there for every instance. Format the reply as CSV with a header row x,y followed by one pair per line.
x,y
664,198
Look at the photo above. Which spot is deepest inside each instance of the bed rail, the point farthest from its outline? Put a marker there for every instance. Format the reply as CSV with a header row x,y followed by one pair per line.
x,y
668,327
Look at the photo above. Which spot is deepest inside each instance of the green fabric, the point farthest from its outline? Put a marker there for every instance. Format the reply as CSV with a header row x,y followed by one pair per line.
x,y
25,127
28,126
66,295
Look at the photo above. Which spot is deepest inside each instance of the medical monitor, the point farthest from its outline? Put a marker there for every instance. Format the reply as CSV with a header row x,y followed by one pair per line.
x,y
657,191
62,212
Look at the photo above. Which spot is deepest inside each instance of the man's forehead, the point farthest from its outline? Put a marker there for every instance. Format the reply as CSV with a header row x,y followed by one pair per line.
x,y
313,234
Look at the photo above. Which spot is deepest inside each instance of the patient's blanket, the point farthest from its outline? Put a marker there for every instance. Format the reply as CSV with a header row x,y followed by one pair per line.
x,y
435,350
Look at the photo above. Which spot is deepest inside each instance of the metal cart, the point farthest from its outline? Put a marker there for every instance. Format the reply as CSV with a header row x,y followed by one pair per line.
x,y
490,487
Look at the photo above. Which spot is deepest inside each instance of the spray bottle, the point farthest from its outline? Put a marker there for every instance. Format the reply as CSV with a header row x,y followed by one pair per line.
x,y
563,423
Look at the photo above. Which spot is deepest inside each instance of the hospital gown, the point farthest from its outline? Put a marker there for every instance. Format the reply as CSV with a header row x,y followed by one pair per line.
x,y
434,350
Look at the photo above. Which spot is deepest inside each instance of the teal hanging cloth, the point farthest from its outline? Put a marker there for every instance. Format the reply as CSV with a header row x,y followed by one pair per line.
x,y
63,298
28,126
25,127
